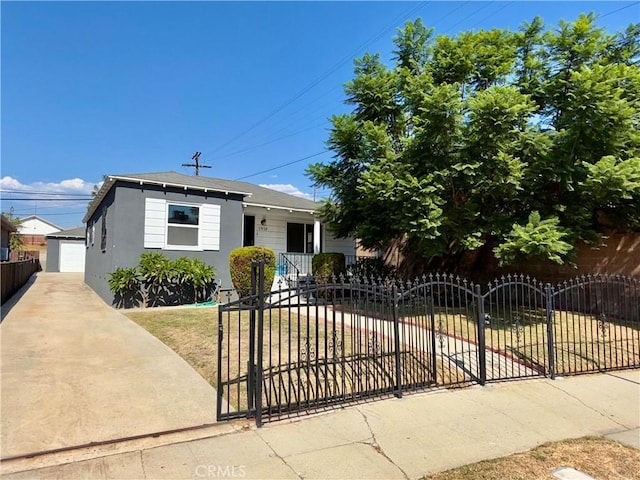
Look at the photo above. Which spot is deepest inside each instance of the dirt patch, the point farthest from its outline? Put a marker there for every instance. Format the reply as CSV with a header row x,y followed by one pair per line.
x,y
602,459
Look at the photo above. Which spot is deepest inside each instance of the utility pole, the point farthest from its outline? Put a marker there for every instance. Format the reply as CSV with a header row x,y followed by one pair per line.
x,y
196,164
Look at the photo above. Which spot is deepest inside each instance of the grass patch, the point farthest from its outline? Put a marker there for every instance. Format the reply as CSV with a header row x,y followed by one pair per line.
x,y
582,342
305,360
595,456
190,332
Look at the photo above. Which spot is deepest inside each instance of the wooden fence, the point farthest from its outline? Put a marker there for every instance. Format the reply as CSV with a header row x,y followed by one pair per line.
x,y
19,255
15,274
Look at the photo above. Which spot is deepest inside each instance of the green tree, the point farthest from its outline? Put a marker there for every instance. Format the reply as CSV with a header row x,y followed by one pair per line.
x,y
519,143
16,241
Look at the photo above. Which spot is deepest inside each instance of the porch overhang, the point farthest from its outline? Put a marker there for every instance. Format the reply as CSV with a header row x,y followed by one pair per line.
x,y
276,207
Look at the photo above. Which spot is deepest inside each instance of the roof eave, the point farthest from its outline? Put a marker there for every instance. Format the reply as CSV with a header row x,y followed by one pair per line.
x,y
8,225
279,207
179,185
65,237
111,179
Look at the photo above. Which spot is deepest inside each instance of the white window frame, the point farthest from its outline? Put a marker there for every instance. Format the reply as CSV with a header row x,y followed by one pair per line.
x,y
167,245
156,225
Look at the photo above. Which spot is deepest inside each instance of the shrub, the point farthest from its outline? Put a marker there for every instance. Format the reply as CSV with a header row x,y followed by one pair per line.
x,y
194,273
124,283
371,267
240,261
155,268
157,272
124,280
327,265
159,281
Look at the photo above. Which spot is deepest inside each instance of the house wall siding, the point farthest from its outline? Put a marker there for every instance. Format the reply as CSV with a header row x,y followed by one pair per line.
x,y
53,255
35,226
99,263
4,238
273,235
126,232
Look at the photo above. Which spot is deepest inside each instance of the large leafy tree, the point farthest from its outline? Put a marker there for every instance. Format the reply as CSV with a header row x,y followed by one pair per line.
x,y
518,143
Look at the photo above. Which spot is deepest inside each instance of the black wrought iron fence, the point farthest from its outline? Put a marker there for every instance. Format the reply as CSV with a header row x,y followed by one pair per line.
x,y
303,348
596,324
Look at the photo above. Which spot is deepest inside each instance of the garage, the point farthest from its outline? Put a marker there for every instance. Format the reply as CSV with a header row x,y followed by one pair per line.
x,y
66,250
71,256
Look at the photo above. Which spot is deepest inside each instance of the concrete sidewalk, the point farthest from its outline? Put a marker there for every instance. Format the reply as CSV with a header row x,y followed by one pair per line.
x,y
76,371
393,438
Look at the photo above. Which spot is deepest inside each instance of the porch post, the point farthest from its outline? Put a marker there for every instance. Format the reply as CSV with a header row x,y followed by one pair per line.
x,y
316,236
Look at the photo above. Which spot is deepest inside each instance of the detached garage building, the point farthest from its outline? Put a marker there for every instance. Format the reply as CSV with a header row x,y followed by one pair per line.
x,y
66,250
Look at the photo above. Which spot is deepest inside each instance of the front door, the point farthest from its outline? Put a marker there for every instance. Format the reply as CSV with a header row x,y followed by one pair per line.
x,y
249,239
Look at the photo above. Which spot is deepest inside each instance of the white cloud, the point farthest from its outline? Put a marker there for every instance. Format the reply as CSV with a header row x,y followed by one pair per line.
x,y
72,185
56,198
288,188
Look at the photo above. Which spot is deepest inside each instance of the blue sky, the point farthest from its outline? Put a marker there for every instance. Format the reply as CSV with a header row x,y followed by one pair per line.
x,y
94,88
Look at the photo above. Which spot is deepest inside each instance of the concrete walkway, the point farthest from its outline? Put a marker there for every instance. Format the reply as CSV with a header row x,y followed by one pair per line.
x,y
394,438
75,371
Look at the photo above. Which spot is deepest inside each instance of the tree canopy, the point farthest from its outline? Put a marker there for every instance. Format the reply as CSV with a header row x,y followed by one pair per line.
x,y
518,142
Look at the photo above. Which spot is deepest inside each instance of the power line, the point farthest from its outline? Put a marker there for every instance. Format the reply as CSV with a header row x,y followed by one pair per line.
x,y
618,10
322,77
283,126
508,4
338,65
49,214
32,199
281,166
467,17
253,147
317,81
43,193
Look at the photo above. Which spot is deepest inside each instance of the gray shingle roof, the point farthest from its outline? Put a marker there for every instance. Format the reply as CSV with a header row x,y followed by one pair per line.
x,y
253,194
76,232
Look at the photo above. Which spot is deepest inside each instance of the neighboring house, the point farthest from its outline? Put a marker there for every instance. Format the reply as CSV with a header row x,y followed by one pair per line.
x,y
66,250
34,230
5,234
201,217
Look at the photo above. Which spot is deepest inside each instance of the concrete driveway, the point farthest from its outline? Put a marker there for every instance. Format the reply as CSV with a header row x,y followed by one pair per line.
x,y
76,371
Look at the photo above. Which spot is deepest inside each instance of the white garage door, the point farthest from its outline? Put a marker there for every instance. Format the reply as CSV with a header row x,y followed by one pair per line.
x,y
71,256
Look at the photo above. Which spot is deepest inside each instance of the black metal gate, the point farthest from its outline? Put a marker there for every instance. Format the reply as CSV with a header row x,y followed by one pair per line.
x,y
319,342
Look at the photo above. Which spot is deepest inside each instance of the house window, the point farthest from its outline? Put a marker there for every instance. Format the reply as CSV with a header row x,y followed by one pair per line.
x,y
91,231
103,236
183,225
175,226
299,238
